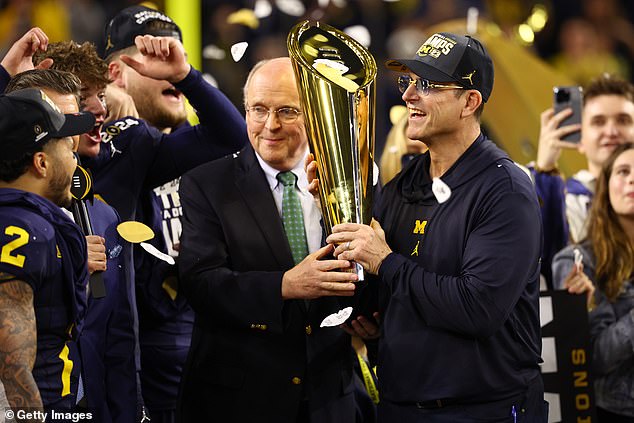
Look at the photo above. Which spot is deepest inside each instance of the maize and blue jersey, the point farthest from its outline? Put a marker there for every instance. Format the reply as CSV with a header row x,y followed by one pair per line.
x,y
44,248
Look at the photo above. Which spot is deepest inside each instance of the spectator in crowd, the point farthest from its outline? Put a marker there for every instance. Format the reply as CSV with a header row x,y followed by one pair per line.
x,y
607,121
608,267
582,56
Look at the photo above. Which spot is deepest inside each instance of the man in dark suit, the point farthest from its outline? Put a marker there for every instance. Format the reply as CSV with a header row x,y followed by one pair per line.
x,y
258,352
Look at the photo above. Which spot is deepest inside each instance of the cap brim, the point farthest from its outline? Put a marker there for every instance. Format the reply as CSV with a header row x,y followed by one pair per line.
x,y
76,124
421,69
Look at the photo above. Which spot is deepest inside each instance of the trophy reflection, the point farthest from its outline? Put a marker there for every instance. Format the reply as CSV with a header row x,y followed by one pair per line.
x,y
336,81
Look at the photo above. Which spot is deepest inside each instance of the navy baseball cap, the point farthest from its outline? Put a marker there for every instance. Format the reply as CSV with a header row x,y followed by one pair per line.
x,y
29,119
447,57
124,27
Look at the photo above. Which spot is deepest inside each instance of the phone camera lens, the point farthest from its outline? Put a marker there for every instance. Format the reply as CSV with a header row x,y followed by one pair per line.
x,y
563,96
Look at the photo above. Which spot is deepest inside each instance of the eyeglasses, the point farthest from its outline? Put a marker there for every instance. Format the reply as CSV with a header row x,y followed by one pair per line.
x,y
423,86
260,114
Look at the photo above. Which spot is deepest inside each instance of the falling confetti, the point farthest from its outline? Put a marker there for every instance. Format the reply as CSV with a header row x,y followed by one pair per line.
x,y
238,49
375,174
337,318
291,7
156,253
213,52
262,9
359,33
244,17
135,232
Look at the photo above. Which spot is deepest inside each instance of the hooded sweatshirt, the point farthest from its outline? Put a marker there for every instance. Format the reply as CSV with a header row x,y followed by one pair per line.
x,y
459,295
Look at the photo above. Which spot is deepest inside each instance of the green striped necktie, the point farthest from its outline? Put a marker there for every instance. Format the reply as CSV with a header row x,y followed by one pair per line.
x,y
293,217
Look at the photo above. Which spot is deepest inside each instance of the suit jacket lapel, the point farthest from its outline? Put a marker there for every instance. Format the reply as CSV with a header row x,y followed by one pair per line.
x,y
252,184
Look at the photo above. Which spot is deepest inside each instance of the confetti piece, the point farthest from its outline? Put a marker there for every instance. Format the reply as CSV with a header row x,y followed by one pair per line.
x,y
213,52
238,49
262,9
244,17
156,253
135,232
441,190
472,20
337,318
291,7
359,33
375,174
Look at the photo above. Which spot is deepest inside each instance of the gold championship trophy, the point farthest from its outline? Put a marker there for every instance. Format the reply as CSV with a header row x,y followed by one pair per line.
x,y
336,81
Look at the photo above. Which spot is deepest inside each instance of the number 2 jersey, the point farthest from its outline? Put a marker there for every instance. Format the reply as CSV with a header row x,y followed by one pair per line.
x,y
41,246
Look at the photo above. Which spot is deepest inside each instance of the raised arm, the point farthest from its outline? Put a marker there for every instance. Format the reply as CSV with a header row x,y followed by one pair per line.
x,y
19,58
164,58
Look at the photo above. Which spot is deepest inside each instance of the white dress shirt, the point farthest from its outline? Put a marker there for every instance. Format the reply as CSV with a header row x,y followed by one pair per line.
x,y
312,214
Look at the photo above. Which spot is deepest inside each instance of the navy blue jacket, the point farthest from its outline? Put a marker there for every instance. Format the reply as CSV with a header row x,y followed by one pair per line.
x,y
459,296
107,341
134,160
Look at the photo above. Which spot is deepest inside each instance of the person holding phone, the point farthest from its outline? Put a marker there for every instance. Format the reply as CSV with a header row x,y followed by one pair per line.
x,y
607,120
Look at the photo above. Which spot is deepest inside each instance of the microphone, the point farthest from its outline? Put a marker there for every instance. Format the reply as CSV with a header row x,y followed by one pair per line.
x,y
81,191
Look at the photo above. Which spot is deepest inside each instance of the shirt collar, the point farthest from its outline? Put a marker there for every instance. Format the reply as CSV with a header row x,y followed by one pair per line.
x,y
298,170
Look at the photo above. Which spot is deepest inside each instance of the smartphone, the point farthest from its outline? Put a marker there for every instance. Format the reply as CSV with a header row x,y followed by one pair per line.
x,y
569,97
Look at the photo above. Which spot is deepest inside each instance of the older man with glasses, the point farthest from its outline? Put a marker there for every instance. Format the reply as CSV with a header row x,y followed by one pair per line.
x,y
254,271
456,253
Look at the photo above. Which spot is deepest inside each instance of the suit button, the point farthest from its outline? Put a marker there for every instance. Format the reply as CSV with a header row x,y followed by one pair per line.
x,y
296,380
309,330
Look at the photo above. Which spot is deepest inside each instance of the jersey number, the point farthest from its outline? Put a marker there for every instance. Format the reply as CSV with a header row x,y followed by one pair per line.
x,y
7,249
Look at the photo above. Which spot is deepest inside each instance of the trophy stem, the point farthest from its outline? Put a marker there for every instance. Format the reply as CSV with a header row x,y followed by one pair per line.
x,y
354,151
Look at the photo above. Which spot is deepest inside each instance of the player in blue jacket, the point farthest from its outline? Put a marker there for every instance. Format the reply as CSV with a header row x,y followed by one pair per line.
x,y
43,253
107,342
138,171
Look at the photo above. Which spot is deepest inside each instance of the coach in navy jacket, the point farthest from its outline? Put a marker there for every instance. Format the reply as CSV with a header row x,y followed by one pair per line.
x,y
457,258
